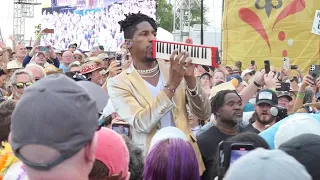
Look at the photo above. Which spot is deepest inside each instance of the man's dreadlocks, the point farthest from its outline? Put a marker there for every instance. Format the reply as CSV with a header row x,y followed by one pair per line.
x,y
128,25
217,101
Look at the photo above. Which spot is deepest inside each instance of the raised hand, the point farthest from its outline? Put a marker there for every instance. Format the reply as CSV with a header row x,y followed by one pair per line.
x,y
114,69
178,68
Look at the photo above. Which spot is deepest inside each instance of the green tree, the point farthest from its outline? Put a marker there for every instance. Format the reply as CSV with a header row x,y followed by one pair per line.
x,y
165,14
196,14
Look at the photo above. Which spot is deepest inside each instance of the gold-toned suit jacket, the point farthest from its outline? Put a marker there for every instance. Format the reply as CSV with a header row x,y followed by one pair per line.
x,y
134,103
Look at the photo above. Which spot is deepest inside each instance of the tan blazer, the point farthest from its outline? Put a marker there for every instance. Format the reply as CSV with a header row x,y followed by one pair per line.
x,y
134,103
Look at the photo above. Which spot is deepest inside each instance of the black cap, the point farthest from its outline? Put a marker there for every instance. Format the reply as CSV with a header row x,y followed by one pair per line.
x,y
305,148
204,74
284,94
267,96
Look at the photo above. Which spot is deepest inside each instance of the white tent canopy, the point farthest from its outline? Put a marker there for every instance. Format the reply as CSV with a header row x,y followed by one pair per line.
x,y
164,35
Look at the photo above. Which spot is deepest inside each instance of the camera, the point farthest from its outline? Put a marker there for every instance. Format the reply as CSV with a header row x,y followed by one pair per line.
x,y
279,112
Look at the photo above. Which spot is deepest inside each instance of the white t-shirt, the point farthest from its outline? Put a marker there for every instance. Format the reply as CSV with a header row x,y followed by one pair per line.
x,y
167,119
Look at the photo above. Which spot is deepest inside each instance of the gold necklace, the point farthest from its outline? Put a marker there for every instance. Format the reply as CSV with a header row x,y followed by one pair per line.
x,y
149,71
151,75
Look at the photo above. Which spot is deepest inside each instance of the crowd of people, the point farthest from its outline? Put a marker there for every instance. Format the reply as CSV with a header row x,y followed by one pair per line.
x,y
92,27
102,116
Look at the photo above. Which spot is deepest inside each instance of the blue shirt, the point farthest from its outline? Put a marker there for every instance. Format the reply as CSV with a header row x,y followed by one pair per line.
x,y
64,68
248,107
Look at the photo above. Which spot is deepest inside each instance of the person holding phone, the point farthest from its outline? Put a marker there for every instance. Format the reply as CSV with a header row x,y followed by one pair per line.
x,y
39,54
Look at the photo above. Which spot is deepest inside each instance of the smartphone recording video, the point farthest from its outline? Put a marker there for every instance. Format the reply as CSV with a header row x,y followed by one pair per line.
x,y
286,63
43,48
284,87
314,72
119,57
121,128
267,66
238,150
49,31
230,152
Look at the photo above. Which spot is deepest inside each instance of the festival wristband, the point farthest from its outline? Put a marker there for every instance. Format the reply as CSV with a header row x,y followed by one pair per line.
x,y
300,95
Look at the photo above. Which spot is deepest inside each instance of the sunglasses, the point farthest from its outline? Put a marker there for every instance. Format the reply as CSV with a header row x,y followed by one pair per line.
x,y
21,85
77,57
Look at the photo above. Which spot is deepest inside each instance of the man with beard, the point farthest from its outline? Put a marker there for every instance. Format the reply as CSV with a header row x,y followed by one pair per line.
x,y
262,117
152,94
226,105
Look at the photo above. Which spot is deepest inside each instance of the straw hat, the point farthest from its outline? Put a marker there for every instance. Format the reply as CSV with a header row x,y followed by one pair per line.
x,y
51,69
91,65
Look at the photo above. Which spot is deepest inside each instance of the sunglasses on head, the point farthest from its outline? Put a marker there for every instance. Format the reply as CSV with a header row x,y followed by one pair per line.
x,y
21,85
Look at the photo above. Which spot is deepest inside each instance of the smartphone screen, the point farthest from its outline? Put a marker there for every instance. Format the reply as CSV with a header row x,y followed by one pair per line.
x,y
236,154
43,48
121,128
238,150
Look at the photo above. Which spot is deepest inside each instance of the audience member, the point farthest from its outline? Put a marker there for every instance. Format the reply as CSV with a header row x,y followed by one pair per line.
x,y
53,129
112,157
167,160
267,165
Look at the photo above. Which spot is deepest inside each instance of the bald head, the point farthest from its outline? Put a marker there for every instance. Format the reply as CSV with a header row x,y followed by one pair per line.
x,y
67,58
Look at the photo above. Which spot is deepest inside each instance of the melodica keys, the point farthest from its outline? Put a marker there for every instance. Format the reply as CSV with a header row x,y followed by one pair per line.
x,y
203,55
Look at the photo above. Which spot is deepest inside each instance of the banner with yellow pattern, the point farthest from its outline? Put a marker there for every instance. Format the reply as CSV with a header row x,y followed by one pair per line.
x,y
270,30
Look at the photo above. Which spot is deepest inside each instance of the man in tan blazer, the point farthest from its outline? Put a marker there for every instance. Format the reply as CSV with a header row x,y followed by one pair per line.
x,y
151,94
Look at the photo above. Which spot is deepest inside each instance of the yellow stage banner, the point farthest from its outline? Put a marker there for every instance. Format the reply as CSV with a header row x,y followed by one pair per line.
x,y
270,30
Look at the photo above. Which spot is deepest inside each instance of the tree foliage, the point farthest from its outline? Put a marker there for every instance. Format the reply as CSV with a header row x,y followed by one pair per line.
x,y
165,14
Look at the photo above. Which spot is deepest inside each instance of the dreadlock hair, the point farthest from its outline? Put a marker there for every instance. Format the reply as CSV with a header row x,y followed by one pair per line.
x,y
217,101
128,25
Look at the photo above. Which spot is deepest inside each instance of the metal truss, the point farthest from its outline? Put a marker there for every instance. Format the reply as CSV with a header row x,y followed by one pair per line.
x,y
182,17
22,9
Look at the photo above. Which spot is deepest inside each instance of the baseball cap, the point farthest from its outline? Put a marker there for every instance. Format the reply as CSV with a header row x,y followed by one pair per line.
x,y
305,148
224,86
39,53
91,66
205,74
274,164
235,76
296,125
165,133
103,56
267,96
99,95
112,151
236,70
55,114
246,72
284,94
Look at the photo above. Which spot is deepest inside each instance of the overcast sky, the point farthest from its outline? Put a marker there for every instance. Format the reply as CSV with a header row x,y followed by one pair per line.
x,y
215,12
